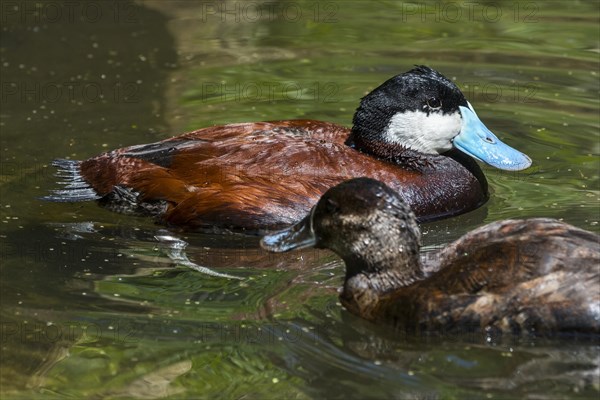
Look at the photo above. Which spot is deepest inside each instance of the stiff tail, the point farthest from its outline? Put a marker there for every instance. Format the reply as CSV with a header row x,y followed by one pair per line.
x,y
75,187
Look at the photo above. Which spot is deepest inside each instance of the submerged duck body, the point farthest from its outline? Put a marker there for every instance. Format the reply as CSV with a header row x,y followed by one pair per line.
x,y
413,132
520,276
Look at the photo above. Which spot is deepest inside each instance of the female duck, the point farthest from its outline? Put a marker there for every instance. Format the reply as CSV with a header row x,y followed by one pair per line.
x,y
531,275
267,175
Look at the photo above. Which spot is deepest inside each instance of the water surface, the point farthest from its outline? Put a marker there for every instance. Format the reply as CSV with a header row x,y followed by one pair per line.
x,y
92,307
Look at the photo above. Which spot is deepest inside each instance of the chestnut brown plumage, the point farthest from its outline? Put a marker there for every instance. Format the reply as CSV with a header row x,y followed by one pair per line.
x,y
260,176
266,175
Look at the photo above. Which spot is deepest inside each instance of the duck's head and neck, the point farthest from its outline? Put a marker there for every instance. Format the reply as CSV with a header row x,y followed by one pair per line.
x,y
371,228
424,112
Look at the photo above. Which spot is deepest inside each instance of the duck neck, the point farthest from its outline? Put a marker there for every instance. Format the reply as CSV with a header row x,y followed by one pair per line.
x,y
370,276
384,270
392,152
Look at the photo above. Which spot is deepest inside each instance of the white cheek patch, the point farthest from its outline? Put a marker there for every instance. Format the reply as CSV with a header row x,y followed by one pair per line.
x,y
431,133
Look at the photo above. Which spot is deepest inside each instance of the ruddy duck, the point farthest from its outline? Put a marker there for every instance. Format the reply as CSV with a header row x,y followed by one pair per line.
x,y
415,132
535,275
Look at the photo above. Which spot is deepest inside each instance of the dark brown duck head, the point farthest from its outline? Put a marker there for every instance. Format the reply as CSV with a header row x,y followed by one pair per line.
x,y
536,275
365,223
371,228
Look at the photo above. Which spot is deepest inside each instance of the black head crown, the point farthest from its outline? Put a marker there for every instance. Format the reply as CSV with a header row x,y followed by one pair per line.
x,y
420,89
425,112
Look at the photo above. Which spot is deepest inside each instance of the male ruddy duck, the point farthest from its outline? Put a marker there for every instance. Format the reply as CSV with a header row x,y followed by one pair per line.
x,y
534,275
412,132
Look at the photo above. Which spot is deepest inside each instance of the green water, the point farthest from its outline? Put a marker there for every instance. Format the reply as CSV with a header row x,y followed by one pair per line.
x,y
92,307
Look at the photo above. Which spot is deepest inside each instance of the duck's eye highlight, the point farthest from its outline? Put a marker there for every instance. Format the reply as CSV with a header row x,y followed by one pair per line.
x,y
434,103
332,206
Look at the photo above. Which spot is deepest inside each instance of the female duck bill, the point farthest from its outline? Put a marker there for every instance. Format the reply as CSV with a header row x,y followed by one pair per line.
x,y
298,236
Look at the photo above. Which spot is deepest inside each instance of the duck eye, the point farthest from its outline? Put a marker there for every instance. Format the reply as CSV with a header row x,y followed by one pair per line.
x,y
434,103
332,206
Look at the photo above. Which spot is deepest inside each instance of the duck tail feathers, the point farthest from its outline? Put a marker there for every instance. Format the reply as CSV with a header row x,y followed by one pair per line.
x,y
75,188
